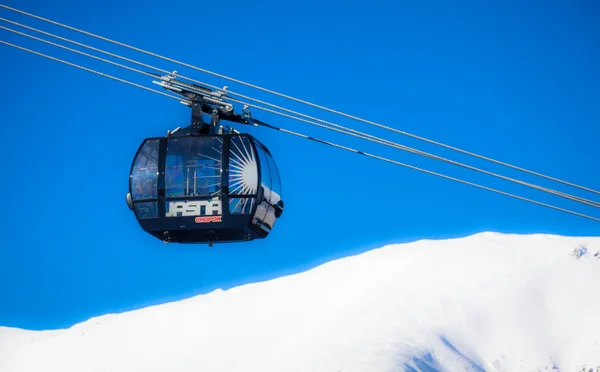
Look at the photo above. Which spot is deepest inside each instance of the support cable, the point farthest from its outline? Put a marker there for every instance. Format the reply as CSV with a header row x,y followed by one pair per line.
x,y
90,70
343,130
299,100
318,140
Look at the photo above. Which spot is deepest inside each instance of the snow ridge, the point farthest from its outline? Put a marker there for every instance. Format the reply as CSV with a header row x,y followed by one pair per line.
x,y
486,302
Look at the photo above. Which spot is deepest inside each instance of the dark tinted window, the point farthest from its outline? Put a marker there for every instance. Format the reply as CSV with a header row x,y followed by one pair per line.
x,y
146,210
275,180
193,166
144,174
265,183
241,205
271,185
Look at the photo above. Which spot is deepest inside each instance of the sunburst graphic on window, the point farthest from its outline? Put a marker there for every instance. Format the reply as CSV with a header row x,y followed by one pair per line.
x,y
243,172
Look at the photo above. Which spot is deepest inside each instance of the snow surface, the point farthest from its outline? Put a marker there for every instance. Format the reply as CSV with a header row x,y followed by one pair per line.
x,y
487,302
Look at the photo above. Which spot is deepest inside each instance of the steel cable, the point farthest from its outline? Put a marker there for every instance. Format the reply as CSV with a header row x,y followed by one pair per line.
x,y
301,101
319,140
90,70
343,130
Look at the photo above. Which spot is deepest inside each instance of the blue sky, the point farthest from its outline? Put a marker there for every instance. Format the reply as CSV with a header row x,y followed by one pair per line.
x,y
511,80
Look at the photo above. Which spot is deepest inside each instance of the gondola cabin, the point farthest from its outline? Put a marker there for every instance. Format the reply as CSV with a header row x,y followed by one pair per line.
x,y
211,188
204,185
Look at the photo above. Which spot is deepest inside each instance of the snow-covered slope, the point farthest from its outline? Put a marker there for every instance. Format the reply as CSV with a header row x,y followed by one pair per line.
x,y
488,302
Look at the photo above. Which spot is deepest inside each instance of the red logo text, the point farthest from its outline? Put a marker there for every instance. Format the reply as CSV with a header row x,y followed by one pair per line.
x,y
208,219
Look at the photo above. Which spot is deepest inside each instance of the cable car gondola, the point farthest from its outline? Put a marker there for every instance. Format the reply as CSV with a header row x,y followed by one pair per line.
x,y
205,183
